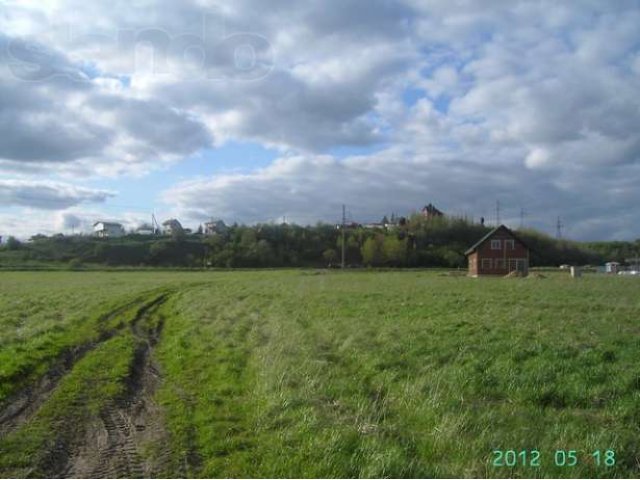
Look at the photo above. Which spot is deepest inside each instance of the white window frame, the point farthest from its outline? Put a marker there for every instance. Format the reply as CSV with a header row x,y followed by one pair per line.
x,y
511,242
486,264
513,264
495,244
496,261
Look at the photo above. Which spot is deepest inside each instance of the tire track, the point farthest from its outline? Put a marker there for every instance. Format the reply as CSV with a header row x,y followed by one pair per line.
x,y
112,445
21,406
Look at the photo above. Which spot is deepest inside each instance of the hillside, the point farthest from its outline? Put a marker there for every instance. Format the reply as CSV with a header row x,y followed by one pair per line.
x,y
419,242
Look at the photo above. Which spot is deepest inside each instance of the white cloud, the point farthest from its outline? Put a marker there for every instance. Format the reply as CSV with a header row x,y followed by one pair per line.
x,y
47,195
538,157
519,99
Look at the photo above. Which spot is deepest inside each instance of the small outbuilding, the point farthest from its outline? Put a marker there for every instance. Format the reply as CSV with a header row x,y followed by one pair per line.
x,y
611,267
499,252
145,229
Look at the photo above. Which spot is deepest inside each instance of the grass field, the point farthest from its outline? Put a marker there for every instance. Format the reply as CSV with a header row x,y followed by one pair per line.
x,y
312,373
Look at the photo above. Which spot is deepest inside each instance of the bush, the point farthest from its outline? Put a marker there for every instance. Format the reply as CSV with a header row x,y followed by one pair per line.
x,y
76,264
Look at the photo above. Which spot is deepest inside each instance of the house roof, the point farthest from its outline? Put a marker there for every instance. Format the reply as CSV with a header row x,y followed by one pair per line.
x,y
215,222
431,209
171,222
475,246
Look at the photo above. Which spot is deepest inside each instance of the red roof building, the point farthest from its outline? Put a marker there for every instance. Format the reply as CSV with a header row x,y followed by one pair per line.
x,y
498,253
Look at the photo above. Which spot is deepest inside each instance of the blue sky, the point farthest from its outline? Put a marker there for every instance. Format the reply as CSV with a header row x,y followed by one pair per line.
x,y
143,193
114,111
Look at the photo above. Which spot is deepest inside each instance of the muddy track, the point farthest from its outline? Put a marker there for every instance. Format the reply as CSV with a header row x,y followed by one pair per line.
x,y
21,406
113,444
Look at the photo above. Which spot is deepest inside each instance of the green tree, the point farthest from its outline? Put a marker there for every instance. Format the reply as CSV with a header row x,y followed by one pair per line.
x,y
264,253
330,256
13,243
248,237
395,251
373,251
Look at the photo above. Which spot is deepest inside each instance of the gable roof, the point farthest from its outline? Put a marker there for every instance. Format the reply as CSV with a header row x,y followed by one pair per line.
x,y
431,209
475,246
215,223
172,222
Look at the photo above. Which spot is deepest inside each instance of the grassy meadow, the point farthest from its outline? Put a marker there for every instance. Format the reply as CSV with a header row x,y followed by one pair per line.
x,y
307,373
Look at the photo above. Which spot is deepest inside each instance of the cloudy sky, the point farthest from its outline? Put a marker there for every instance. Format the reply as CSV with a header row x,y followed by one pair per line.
x,y
252,111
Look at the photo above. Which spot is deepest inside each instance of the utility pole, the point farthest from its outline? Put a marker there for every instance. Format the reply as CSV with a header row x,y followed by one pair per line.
x,y
344,222
497,212
559,229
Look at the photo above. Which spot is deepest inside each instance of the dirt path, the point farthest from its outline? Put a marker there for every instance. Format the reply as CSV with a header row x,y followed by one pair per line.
x,y
113,444
21,406
110,445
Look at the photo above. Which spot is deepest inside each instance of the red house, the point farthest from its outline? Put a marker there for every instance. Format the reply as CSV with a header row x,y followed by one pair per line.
x,y
498,253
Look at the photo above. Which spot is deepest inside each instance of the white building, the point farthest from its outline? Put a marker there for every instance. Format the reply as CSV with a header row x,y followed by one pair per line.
x,y
145,229
214,227
611,267
172,226
108,229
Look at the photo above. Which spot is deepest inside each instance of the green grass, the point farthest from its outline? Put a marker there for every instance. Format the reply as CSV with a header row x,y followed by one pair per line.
x,y
358,374
95,381
42,315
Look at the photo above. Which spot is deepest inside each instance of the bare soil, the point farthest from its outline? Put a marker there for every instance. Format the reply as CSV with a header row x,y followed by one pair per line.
x,y
115,443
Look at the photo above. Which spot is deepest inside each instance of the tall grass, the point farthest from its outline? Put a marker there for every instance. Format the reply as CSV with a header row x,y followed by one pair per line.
x,y
402,374
364,374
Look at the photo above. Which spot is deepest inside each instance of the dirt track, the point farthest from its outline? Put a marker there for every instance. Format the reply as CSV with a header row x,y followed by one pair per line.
x,y
109,445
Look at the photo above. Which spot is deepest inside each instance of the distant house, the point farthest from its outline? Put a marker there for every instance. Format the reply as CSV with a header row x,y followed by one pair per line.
x,y
374,225
108,229
634,263
145,229
172,226
214,227
498,253
430,211
611,267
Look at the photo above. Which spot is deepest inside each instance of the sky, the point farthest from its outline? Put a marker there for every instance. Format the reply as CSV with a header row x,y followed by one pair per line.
x,y
252,111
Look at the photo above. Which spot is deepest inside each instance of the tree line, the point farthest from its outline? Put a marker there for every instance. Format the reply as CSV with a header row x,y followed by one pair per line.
x,y
412,242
